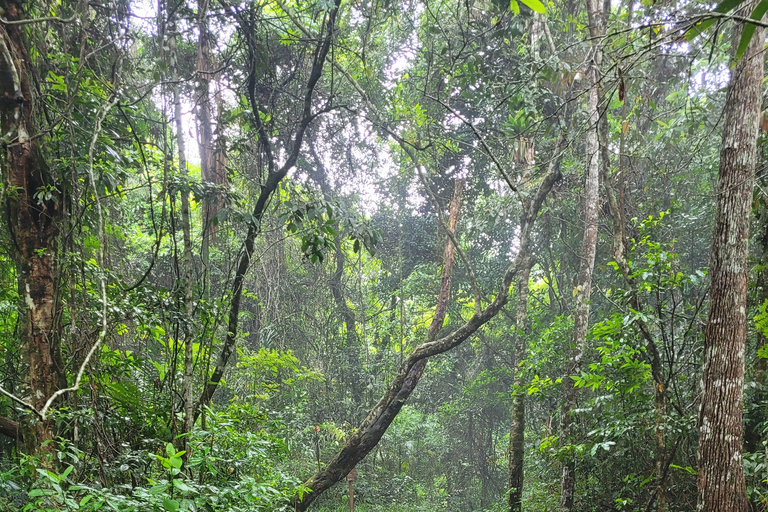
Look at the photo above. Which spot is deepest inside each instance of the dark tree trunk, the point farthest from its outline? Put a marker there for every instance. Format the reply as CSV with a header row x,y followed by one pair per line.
x,y
517,428
274,177
10,428
721,485
33,210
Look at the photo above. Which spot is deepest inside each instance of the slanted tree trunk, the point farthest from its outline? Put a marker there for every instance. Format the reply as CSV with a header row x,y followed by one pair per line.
x,y
370,431
721,485
588,249
373,427
32,210
274,176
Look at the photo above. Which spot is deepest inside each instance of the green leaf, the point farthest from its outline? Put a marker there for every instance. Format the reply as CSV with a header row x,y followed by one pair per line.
x,y
749,29
66,472
180,485
535,5
514,6
170,505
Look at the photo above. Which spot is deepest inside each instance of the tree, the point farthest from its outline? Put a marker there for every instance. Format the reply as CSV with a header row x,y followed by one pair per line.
x,y
721,481
596,13
34,204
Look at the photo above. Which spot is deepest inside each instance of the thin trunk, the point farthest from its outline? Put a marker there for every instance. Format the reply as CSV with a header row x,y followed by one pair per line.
x,y
33,216
721,484
274,177
205,136
517,428
517,425
588,249
337,291
370,431
620,255
187,278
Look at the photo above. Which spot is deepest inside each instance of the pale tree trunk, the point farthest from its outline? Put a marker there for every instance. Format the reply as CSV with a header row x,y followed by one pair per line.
x,y
187,278
721,485
208,167
588,249
33,215
516,455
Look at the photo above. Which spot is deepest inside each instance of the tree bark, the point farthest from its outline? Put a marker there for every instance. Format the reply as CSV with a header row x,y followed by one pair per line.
x,y
33,214
721,484
588,250
10,428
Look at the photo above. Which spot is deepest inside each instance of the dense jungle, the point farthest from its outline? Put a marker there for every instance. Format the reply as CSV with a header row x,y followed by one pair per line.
x,y
383,255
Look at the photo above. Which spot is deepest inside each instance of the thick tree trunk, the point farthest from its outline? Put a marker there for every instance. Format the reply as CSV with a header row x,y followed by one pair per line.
x,y
721,485
588,249
33,210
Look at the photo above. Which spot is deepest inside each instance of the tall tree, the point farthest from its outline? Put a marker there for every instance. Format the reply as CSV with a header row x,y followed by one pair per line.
x,y
721,484
587,255
33,205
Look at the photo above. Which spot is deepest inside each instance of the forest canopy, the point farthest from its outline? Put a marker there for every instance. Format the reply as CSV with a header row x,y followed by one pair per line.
x,y
458,255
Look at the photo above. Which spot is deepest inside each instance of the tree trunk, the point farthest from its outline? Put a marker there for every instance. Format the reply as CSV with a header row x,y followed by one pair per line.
x,y
33,209
517,428
10,428
588,249
187,278
337,291
208,167
721,485
274,177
